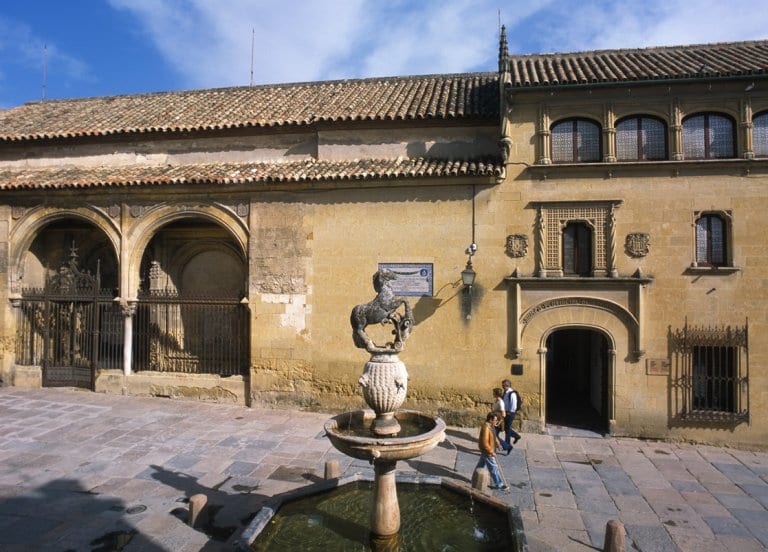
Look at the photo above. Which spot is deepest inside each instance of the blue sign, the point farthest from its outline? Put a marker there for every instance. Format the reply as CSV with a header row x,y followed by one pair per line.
x,y
413,279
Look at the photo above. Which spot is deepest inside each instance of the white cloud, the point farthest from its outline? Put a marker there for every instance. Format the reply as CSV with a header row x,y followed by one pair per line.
x,y
209,41
22,52
630,24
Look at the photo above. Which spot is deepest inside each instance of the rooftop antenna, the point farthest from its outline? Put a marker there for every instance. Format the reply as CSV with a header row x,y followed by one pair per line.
x,y
45,59
253,40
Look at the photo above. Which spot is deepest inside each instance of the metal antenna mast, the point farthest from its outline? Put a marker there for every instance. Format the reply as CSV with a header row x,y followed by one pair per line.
x,y
253,40
45,60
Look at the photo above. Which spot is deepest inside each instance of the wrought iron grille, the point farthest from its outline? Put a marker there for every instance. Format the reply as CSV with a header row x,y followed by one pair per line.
x,y
70,328
190,334
710,378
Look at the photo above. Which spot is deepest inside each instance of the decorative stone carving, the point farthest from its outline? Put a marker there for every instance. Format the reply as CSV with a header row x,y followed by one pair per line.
x,y
385,378
505,148
242,209
113,211
17,211
385,384
382,310
517,245
637,244
136,210
155,274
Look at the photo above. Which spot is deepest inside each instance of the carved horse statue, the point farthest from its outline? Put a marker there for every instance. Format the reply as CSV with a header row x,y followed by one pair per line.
x,y
382,310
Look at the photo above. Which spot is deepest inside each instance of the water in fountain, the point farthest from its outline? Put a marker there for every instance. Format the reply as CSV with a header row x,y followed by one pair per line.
x,y
435,520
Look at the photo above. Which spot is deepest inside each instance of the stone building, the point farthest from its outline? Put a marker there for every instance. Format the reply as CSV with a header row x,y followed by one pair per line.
x,y
212,243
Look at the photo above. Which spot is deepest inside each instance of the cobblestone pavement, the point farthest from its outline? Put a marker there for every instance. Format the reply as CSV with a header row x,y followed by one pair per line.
x,y
82,471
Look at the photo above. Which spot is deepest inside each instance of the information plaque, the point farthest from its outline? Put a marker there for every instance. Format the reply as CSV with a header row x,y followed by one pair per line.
x,y
657,366
413,279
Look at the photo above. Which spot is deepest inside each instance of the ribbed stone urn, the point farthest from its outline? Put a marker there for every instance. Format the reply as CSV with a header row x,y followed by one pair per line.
x,y
385,384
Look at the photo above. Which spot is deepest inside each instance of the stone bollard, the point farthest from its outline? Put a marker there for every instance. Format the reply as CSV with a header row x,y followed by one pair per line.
x,y
480,479
332,470
196,504
614,536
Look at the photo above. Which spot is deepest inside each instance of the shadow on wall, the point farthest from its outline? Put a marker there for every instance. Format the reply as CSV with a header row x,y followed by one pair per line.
x,y
424,308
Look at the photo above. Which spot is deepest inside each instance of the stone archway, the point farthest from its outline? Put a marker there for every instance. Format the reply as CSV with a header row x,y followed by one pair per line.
x,y
152,222
190,316
96,236
576,376
601,318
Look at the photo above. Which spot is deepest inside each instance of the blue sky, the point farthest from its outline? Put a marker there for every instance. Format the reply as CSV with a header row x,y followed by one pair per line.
x,y
107,47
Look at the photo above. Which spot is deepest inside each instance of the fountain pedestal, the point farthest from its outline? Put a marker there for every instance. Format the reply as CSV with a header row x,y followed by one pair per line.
x,y
385,516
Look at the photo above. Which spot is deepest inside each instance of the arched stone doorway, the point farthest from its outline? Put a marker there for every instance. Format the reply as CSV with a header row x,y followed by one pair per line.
x,y
189,314
67,322
577,379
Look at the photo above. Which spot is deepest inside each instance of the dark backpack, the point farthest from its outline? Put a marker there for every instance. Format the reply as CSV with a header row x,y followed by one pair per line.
x,y
519,400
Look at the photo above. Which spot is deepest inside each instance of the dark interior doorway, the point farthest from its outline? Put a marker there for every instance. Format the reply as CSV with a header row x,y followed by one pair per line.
x,y
577,379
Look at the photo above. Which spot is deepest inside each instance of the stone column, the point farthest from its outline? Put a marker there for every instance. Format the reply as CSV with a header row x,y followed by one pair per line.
x,y
385,516
612,270
544,137
129,309
541,242
676,131
612,394
609,135
746,129
542,386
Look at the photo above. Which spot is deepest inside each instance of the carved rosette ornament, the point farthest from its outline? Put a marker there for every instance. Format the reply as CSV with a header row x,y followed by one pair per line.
x,y
517,245
637,244
385,378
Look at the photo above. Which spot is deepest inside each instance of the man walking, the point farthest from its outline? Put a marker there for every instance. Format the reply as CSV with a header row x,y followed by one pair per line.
x,y
487,445
510,404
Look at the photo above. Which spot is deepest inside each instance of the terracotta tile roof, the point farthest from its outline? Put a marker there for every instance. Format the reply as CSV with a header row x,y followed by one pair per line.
x,y
307,171
703,61
436,97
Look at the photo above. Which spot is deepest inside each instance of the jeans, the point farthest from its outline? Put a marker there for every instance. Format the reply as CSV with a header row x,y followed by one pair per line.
x,y
504,444
493,468
509,433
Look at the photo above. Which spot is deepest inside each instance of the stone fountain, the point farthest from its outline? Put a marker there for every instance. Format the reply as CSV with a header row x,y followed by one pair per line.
x,y
383,435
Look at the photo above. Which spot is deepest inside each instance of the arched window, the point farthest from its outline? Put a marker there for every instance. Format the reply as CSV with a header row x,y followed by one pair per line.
x,y
760,135
711,240
708,136
577,249
641,139
575,141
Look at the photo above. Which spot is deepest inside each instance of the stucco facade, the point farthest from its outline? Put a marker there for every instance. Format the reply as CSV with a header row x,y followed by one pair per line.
x,y
288,219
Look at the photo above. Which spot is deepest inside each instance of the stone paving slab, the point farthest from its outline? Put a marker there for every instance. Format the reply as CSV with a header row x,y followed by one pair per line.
x,y
82,471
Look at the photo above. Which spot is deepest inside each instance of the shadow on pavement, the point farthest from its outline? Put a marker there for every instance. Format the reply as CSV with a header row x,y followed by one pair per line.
x,y
64,516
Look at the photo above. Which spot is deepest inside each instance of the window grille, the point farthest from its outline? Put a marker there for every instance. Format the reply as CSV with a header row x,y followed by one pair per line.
x,y
641,139
711,373
708,136
577,249
711,241
575,141
760,135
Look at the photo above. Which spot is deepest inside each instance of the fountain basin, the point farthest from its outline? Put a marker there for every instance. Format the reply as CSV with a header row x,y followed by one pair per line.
x,y
350,433
313,518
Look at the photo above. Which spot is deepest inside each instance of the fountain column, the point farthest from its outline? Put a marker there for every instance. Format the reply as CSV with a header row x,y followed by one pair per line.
x,y
385,515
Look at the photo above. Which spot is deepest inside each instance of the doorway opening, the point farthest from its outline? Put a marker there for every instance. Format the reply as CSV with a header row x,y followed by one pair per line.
x,y
577,379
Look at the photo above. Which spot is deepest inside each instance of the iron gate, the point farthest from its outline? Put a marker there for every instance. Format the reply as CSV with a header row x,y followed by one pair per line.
x,y
176,332
70,327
